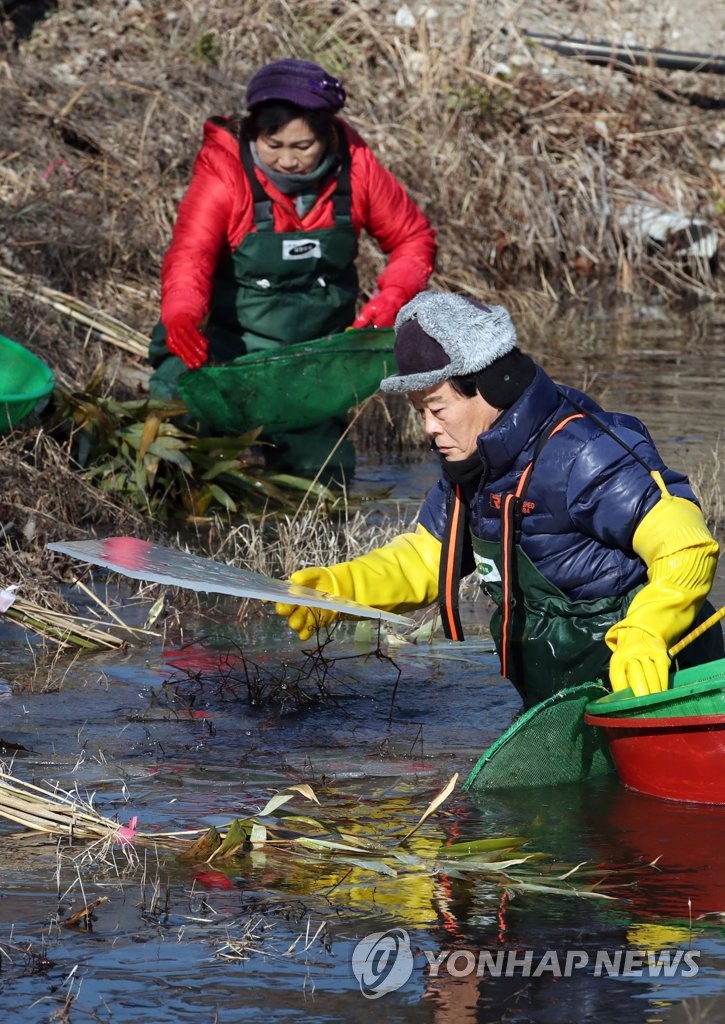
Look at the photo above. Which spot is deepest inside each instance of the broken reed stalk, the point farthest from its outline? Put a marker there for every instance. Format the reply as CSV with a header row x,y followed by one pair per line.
x,y
54,812
67,630
58,812
108,327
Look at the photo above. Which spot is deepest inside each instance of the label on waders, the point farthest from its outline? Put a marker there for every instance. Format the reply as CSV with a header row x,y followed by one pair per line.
x,y
297,249
487,569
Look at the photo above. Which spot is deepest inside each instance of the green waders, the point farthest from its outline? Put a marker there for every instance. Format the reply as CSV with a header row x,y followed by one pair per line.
x,y
546,641
550,641
554,642
275,289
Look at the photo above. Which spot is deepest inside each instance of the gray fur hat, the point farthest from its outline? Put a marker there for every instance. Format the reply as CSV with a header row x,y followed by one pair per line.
x,y
440,335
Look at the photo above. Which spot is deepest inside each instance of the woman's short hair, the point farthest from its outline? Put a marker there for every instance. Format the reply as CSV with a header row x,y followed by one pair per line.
x,y
268,118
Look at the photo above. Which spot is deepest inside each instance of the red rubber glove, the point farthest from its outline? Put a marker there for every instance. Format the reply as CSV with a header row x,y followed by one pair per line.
x,y
186,341
382,308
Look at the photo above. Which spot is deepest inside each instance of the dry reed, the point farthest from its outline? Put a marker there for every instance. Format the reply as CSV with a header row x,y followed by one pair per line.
x,y
522,159
67,631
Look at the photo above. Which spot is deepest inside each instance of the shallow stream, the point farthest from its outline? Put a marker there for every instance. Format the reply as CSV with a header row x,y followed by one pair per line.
x,y
167,732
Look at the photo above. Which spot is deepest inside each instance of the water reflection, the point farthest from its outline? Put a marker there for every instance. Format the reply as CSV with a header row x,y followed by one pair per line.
x,y
173,734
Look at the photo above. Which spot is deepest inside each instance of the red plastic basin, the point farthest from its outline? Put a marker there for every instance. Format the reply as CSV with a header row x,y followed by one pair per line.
x,y
671,758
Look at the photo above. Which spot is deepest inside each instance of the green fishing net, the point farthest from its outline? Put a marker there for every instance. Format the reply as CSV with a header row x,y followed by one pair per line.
x,y
547,745
291,387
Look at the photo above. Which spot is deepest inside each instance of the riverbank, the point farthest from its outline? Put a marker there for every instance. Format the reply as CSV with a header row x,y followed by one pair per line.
x,y
525,160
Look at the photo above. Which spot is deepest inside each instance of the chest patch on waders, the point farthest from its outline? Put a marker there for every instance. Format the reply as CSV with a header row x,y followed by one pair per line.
x,y
292,249
486,568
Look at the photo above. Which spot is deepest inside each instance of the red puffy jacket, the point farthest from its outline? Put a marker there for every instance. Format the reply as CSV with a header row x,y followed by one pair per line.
x,y
216,213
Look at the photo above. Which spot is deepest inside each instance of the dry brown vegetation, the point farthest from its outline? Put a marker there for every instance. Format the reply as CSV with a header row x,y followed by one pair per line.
x,y
521,158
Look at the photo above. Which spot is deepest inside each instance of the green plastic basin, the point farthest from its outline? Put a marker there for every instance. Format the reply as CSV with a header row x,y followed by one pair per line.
x,y
693,692
25,380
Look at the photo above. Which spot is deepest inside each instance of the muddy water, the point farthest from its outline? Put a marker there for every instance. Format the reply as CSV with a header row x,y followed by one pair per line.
x,y
170,733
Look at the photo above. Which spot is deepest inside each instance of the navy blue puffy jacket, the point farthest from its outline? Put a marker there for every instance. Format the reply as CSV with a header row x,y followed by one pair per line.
x,y
588,493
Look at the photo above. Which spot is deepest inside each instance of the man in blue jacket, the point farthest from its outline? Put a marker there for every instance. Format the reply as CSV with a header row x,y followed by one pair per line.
x,y
595,554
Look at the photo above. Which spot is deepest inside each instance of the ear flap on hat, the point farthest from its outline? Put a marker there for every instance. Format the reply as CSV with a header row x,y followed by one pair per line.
x,y
505,380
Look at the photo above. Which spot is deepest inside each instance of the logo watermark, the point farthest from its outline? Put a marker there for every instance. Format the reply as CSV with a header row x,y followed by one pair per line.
x,y
383,961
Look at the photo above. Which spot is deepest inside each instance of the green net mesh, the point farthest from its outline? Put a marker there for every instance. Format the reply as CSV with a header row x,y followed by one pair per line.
x,y
547,745
292,387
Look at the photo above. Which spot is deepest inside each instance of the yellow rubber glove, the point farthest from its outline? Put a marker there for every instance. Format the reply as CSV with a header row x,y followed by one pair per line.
x,y
681,557
306,621
397,577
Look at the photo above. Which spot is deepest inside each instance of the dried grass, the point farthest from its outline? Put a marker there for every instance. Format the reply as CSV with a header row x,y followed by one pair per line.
x,y
68,631
42,487
108,328
706,478
316,535
521,159
521,170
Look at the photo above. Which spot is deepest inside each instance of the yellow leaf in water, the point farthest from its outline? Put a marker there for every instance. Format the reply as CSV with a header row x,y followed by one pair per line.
x,y
434,805
304,790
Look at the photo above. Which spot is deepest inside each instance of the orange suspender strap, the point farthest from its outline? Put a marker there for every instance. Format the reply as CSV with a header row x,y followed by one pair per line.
x,y
510,523
510,530
452,552
450,568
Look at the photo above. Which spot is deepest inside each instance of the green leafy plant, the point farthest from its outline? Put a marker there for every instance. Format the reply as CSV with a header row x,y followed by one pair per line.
x,y
147,451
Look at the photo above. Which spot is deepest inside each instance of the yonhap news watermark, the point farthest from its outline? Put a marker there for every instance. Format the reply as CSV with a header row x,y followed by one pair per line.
x,y
383,962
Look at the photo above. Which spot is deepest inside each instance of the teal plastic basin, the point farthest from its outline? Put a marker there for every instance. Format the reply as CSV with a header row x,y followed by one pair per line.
x,y
25,380
693,691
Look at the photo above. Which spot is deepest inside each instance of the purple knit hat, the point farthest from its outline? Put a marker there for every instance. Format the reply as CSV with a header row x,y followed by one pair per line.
x,y
298,81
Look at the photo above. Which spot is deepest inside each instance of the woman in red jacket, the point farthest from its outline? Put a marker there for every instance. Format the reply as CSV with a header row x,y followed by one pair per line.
x,y
264,246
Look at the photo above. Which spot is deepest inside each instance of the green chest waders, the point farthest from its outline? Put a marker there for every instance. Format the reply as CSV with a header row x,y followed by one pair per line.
x,y
279,288
546,641
276,288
